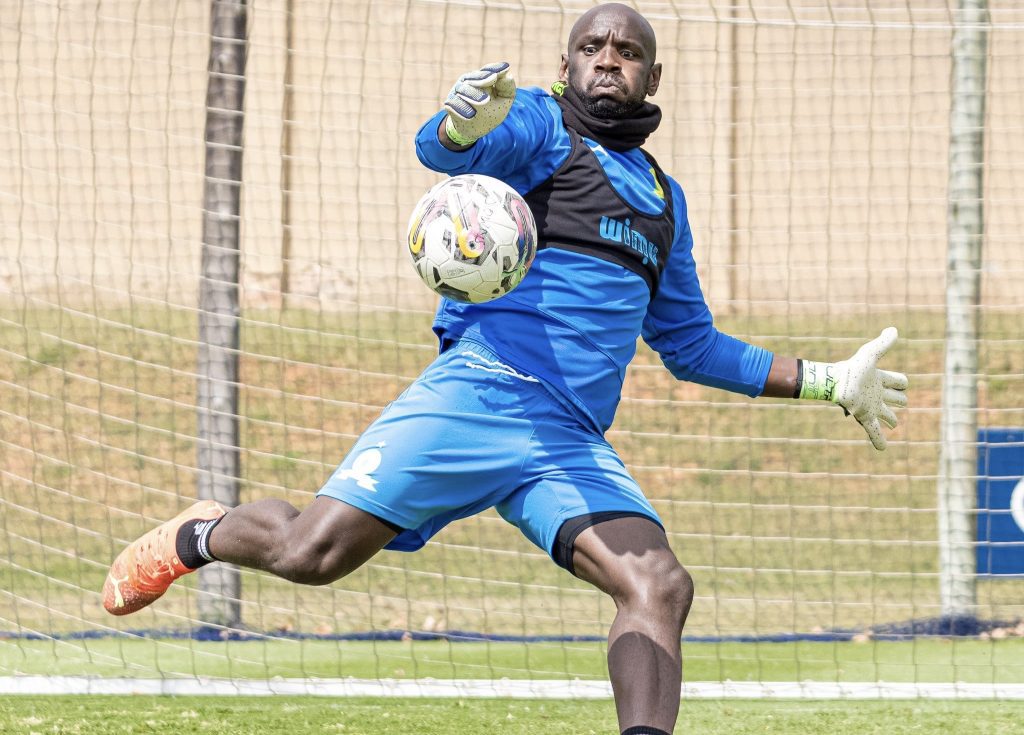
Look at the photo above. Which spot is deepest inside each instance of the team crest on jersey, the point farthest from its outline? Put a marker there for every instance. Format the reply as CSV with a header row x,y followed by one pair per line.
x,y
363,466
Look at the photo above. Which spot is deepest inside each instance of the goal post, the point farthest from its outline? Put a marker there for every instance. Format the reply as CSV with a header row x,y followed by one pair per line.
x,y
219,308
189,312
958,454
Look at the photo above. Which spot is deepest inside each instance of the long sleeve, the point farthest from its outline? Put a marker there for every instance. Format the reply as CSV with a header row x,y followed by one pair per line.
x,y
523,151
680,328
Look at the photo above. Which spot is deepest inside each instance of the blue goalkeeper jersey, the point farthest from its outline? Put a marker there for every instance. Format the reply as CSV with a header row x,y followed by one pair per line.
x,y
574,321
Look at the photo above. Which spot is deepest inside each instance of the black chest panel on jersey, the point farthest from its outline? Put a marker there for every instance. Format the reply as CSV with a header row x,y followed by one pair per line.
x,y
578,209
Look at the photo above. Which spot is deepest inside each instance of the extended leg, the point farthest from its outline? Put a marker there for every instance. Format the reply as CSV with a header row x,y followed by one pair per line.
x,y
630,559
322,543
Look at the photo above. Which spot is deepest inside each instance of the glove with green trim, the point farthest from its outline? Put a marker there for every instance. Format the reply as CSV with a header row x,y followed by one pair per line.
x,y
859,386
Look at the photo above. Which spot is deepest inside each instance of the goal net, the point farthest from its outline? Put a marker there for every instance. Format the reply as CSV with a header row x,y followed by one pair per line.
x,y
813,142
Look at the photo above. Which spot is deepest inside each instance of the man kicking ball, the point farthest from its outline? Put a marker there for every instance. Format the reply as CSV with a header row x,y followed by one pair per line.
x,y
531,381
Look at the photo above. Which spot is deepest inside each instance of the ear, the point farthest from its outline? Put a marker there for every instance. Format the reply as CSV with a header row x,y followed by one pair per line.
x,y
653,79
563,69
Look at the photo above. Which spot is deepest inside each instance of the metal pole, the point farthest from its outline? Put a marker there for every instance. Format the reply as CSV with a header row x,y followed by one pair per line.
x,y
734,157
287,115
217,400
959,430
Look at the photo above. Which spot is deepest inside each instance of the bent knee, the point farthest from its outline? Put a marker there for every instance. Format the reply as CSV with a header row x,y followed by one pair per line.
x,y
665,584
682,584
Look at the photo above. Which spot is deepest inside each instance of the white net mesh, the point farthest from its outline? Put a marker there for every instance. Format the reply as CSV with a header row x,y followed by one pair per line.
x,y
812,142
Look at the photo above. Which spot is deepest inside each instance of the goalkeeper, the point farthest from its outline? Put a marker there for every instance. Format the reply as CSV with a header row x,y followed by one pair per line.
x,y
512,414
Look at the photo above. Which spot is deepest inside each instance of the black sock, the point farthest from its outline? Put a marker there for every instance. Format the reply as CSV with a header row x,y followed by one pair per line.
x,y
643,730
193,543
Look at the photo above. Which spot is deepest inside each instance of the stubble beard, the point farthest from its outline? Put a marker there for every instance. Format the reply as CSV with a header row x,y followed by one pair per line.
x,y
606,108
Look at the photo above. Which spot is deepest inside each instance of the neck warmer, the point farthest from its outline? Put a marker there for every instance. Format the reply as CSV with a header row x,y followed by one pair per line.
x,y
616,134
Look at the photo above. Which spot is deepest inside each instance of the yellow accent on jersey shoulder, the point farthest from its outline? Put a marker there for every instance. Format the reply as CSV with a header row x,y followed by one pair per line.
x,y
657,184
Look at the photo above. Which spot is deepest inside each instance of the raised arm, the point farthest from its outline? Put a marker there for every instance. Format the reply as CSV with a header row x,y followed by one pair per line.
x,y
487,126
477,104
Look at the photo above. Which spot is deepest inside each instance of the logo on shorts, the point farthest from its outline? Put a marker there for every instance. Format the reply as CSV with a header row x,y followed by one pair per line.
x,y
493,366
362,467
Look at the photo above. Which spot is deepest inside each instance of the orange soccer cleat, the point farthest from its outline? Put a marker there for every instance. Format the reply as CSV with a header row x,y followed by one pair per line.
x,y
145,569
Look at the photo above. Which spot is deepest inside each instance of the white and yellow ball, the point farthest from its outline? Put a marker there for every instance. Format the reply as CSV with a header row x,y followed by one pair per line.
x,y
472,238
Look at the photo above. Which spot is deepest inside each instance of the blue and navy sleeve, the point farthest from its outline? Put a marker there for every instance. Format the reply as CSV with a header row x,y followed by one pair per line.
x,y
528,146
679,326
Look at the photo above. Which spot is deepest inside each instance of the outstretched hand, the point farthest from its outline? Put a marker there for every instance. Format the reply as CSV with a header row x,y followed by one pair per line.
x,y
868,392
479,102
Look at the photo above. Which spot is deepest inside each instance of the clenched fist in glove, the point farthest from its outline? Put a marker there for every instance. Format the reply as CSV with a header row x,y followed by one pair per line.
x,y
859,386
479,102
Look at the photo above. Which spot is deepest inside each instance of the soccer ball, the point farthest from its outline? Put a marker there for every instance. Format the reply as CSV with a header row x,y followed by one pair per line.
x,y
472,238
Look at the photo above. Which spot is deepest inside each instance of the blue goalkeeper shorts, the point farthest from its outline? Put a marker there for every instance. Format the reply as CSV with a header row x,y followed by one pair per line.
x,y
473,433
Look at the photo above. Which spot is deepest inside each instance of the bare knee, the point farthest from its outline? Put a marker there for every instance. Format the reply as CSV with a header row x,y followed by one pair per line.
x,y
661,586
630,559
683,594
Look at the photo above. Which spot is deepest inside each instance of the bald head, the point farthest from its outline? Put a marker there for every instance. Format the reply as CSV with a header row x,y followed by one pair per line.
x,y
620,17
610,60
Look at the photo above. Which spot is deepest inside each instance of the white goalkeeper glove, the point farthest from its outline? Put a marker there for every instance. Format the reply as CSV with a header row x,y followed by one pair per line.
x,y
861,388
479,102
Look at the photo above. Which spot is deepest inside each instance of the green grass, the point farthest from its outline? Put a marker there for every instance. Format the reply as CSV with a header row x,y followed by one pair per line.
x,y
920,660
115,715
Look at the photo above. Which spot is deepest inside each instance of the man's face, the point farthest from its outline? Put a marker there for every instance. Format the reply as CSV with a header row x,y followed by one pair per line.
x,y
610,61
